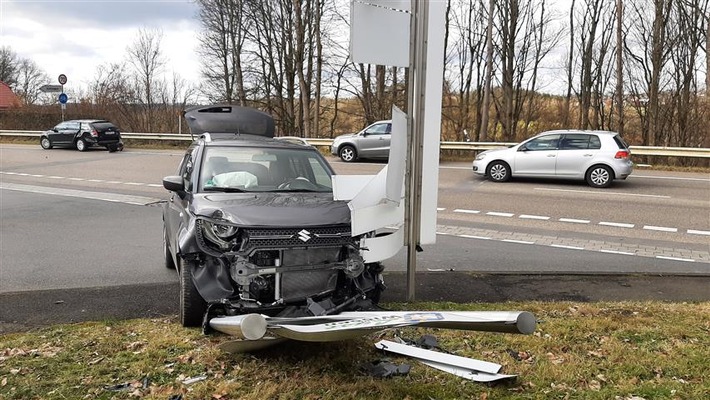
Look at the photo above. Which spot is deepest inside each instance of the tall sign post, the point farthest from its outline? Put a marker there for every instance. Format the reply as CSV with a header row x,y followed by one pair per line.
x,y
381,32
63,96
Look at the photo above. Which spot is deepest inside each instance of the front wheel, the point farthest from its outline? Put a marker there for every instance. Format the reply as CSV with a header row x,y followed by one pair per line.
x,y
45,143
499,171
347,153
81,144
600,176
192,305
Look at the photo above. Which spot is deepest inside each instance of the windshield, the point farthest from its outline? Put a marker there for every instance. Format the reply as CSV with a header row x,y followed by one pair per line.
x,y
251,169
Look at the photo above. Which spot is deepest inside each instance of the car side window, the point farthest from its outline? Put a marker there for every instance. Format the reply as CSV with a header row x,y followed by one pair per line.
x,y
61,126
594,142
74,126
379,129
575,142
548,142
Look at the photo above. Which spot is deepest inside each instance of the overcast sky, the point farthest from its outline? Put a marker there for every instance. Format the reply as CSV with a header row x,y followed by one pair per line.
x,y
73,37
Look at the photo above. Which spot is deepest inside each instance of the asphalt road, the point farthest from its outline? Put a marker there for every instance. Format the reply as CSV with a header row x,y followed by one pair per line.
x,y
78,242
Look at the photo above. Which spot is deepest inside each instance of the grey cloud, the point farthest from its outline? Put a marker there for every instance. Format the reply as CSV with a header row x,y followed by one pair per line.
x,y
105,14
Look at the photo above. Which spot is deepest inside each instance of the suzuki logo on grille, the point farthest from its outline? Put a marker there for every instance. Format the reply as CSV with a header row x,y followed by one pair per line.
x,y
304,235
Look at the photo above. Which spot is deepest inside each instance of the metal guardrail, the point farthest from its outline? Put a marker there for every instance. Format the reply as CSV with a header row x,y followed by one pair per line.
x,y
470,146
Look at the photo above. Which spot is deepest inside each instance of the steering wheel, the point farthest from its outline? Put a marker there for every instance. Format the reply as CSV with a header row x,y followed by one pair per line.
x,y
298,183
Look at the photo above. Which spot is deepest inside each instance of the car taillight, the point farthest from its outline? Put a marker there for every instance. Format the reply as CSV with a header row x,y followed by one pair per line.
x,y
622,154
94,133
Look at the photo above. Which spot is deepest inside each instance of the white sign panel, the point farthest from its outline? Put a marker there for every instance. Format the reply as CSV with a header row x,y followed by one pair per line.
x,y
379,33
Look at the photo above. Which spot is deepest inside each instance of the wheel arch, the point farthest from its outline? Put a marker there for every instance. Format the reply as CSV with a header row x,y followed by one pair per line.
x,y
507,164
600,164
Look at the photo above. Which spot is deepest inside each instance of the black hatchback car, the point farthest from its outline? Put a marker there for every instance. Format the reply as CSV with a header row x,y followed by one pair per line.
x,y
82,134
252,227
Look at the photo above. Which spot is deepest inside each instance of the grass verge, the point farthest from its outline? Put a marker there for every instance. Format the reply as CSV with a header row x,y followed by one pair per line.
x,y
648,350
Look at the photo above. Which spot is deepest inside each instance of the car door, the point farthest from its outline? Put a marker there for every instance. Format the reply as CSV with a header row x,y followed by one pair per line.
x,y
176,207
68,133
577,151
57,135
375,141
537,157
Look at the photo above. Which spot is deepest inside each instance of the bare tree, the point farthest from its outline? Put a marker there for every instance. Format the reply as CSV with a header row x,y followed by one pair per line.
x,y
485,109
619,67
29,79
649,51
145,55
521,48
222,42
8,66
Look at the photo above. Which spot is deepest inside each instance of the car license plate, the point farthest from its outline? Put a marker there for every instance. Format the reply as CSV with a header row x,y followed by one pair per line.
x,y
110,133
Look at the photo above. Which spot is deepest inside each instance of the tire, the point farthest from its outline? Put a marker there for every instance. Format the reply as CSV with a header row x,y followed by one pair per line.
x,y
347,153
45,143
599,176
498,171
81,144
169,262
192,305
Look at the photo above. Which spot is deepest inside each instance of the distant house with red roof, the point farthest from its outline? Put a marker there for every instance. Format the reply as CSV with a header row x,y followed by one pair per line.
x,y
8,99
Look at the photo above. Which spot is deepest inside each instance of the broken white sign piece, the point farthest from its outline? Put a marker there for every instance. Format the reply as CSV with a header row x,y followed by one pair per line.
x,y
468,368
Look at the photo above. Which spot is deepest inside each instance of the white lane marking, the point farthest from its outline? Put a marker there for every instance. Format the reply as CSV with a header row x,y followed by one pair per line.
x,y
112,197
76,179
675,258
675,178
133,183
450,167
574,221
623,253
499,214
604,192
540,217
517,241
10,173
617,224
94,180
55,177
440,209
660,228
696,232
37,176
475,237
154,185
459,210
561,246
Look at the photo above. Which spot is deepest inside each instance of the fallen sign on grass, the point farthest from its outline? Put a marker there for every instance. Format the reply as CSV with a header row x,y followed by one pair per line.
x,y
468,368
256,331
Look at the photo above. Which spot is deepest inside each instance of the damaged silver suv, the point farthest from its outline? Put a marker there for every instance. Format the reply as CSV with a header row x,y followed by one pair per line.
x,y
251,225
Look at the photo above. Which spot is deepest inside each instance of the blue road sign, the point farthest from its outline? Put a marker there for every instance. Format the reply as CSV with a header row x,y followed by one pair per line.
x,y
63,98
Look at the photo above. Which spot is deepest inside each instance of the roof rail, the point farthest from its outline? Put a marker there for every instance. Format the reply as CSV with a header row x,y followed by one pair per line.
x,y
206,136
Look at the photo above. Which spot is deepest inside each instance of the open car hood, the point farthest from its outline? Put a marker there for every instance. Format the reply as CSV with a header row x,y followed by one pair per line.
x,y
229,119
273,209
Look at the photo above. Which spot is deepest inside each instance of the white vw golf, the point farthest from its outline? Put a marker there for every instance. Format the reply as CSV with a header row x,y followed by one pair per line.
x,y
598,157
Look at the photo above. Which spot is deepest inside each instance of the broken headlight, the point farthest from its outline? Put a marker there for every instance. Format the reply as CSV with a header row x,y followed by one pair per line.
x,y
221,234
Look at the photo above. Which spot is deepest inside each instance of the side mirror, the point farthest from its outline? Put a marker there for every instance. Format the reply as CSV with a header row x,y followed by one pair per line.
x,y
523,148
174,183
54,130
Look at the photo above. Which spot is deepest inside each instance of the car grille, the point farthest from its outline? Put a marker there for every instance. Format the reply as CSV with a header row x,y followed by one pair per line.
x,y
298,285
279,238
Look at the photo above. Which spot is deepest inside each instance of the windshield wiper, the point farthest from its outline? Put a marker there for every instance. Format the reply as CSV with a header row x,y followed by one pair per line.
x,y
224,189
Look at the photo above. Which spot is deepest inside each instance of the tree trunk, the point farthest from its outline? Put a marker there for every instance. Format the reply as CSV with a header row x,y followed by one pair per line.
x,y
485,110
619,68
